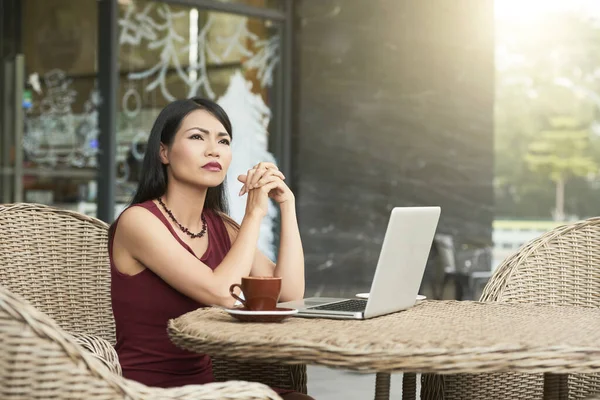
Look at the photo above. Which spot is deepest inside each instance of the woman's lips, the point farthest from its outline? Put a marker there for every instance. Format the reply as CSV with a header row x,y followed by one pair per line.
x,y
213,167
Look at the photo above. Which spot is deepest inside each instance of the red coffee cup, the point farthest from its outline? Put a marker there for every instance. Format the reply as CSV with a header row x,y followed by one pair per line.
x,y
260,293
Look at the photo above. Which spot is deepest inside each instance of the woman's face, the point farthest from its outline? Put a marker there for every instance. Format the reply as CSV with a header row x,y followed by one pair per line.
x,y
201,151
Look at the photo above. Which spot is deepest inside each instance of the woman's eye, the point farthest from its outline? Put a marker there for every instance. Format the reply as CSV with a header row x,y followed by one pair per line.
x,y
196,136
225,142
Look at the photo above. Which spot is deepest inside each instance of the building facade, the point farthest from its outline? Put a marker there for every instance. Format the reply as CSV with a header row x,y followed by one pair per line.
x,y
364,105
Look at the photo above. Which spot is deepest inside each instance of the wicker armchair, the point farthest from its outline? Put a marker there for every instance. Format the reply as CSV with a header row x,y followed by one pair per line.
x,y
58,261
562,267
41,361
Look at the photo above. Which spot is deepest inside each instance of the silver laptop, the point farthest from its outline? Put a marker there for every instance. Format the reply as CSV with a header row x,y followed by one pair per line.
x,y
398,275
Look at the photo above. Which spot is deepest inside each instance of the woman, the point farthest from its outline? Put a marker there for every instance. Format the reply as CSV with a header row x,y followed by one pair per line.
x,y
174,249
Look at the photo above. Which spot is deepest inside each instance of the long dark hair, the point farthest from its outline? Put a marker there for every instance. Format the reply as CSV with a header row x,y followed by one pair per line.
x,y
153,175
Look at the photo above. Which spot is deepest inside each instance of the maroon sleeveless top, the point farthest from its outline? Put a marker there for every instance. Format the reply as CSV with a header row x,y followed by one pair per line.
x,y
142,306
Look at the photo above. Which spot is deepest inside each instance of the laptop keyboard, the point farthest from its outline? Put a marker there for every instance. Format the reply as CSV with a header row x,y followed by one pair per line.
x,y
350,305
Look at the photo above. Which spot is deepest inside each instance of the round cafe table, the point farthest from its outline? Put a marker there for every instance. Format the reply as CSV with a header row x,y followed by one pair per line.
x,y
440,337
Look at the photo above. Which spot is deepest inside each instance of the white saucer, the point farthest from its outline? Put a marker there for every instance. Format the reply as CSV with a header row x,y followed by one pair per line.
x,y
280,311
277,315
420,297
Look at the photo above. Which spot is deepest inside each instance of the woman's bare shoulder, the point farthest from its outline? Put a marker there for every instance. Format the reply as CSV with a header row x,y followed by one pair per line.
x,y
137,222
135,215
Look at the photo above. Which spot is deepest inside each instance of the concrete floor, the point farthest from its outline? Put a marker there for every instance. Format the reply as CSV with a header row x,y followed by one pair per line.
x,y
334,384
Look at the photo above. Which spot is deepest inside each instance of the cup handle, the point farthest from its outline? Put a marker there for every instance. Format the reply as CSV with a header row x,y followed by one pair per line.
x,y
235,296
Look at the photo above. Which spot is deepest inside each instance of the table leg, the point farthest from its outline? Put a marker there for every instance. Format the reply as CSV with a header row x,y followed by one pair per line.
x,y
382,386
556,387
409,386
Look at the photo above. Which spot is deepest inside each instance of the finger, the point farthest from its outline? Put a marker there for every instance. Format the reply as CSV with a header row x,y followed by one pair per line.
x,y
242,178
266,180
277,173
258,180
267,174
249,176
258,173
269,186
269,178
267,165
248,180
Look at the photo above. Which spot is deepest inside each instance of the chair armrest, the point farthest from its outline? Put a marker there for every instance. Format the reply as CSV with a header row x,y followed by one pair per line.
x,y
232,390
100,349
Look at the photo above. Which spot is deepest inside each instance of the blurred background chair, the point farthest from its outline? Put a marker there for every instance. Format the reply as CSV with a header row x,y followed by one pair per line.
x,y
456,274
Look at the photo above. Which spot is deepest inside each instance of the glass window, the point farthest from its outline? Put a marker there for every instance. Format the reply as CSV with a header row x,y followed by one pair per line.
x,y
60,102
166,52
258,3
170,52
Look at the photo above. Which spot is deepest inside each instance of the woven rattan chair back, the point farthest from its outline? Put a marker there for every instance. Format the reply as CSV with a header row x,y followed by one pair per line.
x,y
562,267
58,261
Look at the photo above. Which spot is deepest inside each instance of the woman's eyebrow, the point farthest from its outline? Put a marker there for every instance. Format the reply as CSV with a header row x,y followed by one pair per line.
x,y
207,131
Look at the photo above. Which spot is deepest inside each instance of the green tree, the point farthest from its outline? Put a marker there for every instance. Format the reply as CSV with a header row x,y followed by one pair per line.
x,y
545,165
560,153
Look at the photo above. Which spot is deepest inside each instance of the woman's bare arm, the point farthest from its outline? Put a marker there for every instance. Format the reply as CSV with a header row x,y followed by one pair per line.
x,y
148,241
290,261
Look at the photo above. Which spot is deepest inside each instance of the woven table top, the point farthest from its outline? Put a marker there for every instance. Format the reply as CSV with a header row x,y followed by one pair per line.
x,y
432,337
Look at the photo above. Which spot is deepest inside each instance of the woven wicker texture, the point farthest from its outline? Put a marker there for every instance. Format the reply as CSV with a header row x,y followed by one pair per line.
x,y
40,361
58,261
562,267
100,349
440,337
292,377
